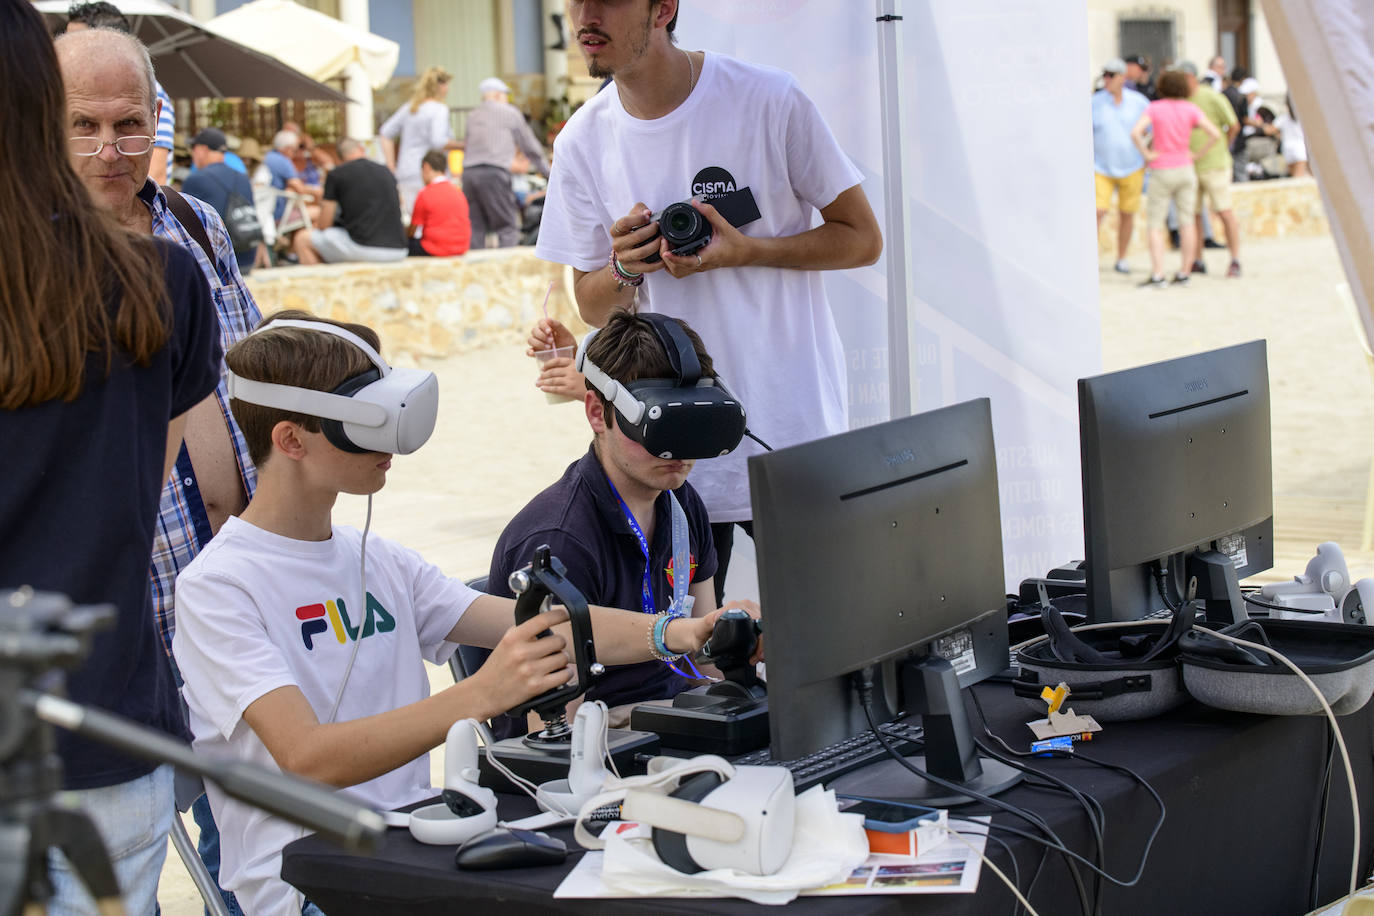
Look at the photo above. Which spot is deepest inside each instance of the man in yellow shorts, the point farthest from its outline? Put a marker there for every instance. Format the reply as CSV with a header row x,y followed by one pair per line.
x,y
1117,165
1214,169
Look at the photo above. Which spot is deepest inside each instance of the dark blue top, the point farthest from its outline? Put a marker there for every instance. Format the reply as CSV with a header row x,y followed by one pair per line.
x,y
212,184
582,522
80,502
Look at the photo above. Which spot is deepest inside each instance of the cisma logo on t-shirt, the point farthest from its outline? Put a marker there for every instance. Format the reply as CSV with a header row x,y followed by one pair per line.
x,y
333,615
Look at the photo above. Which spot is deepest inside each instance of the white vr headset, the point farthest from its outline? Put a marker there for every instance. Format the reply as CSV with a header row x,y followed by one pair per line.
x,y
381,410
707,814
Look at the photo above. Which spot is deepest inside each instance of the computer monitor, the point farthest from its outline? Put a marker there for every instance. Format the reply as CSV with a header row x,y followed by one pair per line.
x,y
882,547
1177,483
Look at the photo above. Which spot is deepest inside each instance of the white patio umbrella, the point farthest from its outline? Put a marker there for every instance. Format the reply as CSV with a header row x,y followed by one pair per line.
x,y
319,45
193,60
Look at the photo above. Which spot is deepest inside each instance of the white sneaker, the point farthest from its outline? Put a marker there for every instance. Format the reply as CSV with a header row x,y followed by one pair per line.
x,y
1123,266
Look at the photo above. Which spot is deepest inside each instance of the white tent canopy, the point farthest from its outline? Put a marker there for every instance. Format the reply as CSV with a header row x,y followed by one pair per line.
x,y
312,42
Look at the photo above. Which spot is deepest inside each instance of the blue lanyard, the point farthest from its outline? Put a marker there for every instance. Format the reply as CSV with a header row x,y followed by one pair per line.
x,y
682,568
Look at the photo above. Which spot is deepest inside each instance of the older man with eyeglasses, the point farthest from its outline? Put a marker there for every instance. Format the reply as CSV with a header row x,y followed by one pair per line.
x,y
112,114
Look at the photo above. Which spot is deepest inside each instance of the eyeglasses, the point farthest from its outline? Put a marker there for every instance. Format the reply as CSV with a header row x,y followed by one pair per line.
x,y
125,146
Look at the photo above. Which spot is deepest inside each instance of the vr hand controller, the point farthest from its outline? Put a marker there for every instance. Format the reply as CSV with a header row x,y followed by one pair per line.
x,y
537,587
467,809
586,765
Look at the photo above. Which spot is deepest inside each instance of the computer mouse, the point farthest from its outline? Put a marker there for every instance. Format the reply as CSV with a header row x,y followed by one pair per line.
x,y
509,847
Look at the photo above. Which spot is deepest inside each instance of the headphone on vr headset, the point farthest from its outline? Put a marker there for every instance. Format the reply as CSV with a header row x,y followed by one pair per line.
x,y
380,410
684,417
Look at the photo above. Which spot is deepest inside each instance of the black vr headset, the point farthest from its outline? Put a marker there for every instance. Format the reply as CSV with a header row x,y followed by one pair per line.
x,y
680,418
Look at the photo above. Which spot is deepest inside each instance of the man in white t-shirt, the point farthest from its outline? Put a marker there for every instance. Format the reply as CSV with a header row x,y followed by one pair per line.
x,y
675,125
271,611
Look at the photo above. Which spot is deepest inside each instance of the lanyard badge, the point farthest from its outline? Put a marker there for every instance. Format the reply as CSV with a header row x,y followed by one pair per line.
x,y
682,571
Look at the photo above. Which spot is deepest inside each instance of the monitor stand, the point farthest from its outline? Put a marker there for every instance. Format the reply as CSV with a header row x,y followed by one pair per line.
x,y
1210,577
931,689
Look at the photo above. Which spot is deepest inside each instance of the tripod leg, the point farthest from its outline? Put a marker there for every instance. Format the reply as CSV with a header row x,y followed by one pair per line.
x,y
76,836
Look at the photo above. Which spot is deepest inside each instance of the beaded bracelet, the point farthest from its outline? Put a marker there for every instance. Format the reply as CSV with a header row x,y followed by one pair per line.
x,y
657,644
623,277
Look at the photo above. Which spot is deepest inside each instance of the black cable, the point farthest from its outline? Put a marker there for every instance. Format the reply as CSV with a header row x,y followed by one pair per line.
x,y
1092,808
864,682
1140,780
1279,607
748,433
1312,889
1162,587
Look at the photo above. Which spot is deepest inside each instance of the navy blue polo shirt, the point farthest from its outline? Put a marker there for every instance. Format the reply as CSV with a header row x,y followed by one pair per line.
x,y
581,520
79,509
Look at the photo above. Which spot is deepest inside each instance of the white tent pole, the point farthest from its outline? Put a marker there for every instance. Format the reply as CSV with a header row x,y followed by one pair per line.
x,y
901,354
358,114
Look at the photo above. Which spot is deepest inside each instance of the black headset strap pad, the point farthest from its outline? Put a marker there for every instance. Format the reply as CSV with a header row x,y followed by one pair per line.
x,y
681,354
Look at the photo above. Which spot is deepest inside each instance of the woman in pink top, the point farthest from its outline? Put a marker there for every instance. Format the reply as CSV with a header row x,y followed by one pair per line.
x,y
1171,120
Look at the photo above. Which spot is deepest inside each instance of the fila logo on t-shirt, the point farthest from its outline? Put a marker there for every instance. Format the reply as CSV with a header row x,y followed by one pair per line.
x,y
333,615
692,571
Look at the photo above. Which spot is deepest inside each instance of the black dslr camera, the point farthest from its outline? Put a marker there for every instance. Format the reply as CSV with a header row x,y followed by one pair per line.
x,y
687,231
684,228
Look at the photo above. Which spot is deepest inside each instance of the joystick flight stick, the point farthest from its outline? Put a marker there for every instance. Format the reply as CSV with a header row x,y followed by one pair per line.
x,y
536,586
545,756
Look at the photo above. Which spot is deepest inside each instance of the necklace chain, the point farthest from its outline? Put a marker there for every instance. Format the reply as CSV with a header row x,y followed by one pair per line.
x,y
691,72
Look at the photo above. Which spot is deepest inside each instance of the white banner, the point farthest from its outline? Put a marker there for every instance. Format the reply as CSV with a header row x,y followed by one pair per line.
x,y
1002,256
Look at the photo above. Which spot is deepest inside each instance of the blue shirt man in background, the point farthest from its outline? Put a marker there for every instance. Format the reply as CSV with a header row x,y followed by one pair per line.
x,y
1117,164
214,179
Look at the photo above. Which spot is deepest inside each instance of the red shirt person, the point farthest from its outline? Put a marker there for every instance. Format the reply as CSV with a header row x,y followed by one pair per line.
x,y
441,211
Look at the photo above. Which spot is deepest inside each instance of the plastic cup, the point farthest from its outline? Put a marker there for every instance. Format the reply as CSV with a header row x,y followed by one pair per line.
x,y
544,356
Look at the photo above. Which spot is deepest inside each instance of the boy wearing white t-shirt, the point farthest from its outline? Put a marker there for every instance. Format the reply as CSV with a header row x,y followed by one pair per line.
x,y
268,616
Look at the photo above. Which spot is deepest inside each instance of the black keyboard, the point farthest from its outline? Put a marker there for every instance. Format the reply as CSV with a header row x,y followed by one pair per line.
x,y
835,760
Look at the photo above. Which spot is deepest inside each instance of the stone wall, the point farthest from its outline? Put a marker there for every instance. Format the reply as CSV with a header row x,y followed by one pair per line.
x,y
1265,210
429,307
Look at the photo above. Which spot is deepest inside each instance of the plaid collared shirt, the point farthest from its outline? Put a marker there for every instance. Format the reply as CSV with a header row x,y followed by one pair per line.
x,y
182,525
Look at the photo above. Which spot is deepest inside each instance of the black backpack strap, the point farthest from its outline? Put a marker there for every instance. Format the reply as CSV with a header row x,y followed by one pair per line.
x,y
190,222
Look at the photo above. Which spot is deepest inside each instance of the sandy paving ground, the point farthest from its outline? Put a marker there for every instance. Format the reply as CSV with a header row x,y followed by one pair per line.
x,y
498,443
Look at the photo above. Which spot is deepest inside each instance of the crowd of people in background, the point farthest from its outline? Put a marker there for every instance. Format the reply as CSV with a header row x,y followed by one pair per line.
x,y
304,217
1179,139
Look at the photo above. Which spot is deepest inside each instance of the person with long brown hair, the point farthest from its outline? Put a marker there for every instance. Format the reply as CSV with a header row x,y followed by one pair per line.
x,y
417,127
107,338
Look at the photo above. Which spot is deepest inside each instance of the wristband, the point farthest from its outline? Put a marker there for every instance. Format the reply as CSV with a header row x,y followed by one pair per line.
x,y
657,643
623,277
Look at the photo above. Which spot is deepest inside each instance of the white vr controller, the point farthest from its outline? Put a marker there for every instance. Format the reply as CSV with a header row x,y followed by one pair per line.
x,y
1323,592
468,809
586,764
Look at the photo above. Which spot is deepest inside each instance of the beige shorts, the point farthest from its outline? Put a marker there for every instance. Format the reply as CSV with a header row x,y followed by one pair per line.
x,y
1215,186
1178,185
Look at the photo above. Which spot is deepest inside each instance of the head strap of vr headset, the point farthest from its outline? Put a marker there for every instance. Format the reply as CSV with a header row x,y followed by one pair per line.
x,y
310,401
682,356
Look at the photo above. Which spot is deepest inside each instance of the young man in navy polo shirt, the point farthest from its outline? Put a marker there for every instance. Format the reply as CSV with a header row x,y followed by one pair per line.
x,y
594,515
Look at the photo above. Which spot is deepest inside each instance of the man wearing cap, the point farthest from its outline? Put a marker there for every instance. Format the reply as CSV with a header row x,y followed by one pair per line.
x,y
214,181
1118,166
1138,75
495,130
1213,166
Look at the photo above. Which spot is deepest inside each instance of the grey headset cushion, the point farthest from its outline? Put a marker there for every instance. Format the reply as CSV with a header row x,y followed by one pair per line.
x,y
1116,690
1339,658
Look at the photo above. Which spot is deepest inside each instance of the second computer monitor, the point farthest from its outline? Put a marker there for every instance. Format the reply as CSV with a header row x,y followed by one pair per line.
x,y
874,546
1177,482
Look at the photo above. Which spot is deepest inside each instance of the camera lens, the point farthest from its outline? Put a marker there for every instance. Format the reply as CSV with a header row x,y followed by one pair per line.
x,y
680,223
683,227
